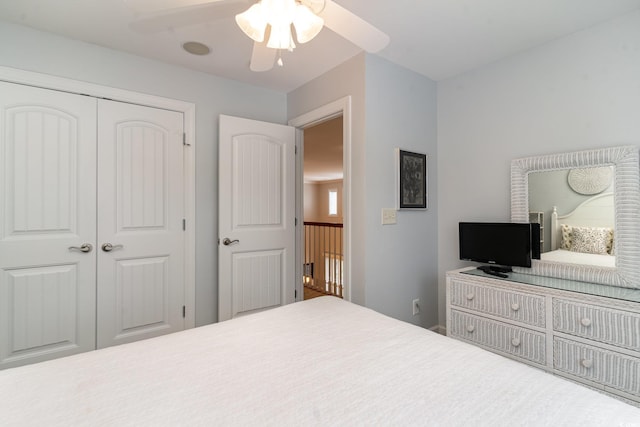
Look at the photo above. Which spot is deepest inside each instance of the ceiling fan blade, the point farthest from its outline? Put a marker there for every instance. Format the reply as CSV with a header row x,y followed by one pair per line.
x,y
353,28
151,6
262,57
182,17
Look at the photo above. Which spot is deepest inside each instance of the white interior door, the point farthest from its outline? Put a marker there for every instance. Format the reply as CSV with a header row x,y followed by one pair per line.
x,y
140,215
256,216
47,208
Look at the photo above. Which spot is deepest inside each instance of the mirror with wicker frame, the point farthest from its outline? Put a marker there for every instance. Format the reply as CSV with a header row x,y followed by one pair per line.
x,y
626,243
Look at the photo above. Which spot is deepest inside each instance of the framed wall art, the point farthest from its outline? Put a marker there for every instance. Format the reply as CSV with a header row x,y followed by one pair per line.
x,y
411,180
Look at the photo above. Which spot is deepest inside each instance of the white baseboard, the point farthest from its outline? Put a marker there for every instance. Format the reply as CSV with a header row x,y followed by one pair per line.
x,y
439,329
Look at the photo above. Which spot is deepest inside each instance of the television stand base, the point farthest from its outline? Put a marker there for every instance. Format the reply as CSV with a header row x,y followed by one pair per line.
x,y
495,270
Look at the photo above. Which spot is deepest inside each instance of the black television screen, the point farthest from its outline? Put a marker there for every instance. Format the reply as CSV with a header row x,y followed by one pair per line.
x,y
504,244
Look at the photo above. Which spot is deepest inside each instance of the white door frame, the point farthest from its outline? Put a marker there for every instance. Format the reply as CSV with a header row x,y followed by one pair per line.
x,y
45,81
340,107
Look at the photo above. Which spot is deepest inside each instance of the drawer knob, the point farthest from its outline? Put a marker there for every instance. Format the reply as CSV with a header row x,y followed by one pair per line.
x,y
470,296
515,306
515,342
471,328
586,322
587,363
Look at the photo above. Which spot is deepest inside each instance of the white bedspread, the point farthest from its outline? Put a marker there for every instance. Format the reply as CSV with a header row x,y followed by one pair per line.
x,y
564,256
319,362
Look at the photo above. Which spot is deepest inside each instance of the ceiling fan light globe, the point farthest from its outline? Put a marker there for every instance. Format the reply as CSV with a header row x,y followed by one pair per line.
x,y
280,37
306,23
252,22
279,11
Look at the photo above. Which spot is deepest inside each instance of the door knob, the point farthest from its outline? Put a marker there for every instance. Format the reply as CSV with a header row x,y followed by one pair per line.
x,y
108,247
85,247
228,241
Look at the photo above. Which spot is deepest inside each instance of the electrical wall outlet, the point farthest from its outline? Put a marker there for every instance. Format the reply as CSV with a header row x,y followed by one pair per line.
x,y
416,306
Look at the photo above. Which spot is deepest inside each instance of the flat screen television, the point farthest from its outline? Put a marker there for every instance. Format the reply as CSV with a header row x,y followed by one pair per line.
x,y
502,245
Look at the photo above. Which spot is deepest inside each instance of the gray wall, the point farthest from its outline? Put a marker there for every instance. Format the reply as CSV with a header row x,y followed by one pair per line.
x,y
392,107
346,79
401,261
578,92
32,50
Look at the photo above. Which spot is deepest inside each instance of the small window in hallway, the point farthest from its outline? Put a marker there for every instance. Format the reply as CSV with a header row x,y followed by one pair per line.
x,y
333,202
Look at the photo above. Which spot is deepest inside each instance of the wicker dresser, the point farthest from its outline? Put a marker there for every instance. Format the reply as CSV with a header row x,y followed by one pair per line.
x,y
585,332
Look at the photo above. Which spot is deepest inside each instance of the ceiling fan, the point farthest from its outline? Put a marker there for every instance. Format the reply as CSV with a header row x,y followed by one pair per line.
x,y
271,34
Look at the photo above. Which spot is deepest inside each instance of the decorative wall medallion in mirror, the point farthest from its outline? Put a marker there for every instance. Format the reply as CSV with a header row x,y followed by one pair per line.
x,y
626,242
590,180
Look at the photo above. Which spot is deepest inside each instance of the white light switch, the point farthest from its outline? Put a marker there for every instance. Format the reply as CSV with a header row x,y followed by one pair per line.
x,y
388,216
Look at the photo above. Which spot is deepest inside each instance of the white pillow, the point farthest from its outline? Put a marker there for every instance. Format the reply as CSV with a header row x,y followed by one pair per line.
x,y
566,236
591,240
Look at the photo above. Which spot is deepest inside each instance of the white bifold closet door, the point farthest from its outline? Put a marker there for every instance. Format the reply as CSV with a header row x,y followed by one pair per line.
x,y
48,205
140,214
78,173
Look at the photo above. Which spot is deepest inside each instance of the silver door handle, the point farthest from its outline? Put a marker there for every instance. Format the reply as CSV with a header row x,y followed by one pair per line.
x,y
108,247
228,241
85,247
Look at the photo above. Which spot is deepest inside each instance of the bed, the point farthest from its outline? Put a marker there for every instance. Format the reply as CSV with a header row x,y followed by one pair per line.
x,y
319,362
585,235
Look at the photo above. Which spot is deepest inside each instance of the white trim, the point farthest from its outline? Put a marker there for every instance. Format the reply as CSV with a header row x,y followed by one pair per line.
x,y
439,329
340,107
299,232
332,181
46,81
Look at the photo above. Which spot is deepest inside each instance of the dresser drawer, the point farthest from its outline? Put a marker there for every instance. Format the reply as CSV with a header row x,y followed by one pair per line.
x,y
608,368
615,327
516,306
502,337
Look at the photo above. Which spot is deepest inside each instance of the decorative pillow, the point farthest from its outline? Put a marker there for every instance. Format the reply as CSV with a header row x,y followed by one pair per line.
x,y
565,243
591,240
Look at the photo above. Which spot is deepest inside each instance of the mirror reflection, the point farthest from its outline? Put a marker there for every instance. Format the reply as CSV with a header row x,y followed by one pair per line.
x,y
625,252
576,211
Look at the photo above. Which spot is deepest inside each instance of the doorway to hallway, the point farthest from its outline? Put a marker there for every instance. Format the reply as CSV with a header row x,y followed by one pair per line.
x,y
323,172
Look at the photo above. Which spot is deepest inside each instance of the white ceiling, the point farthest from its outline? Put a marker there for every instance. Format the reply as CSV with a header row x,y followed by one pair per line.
x,y
436,38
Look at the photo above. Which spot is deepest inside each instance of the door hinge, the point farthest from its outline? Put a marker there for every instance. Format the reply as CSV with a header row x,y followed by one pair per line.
x,y
184,311
295,149
296,222
184,140
184,224
295,293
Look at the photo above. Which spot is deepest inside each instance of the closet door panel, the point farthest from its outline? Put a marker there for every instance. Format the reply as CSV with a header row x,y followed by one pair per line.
x,y
141,208
47,208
